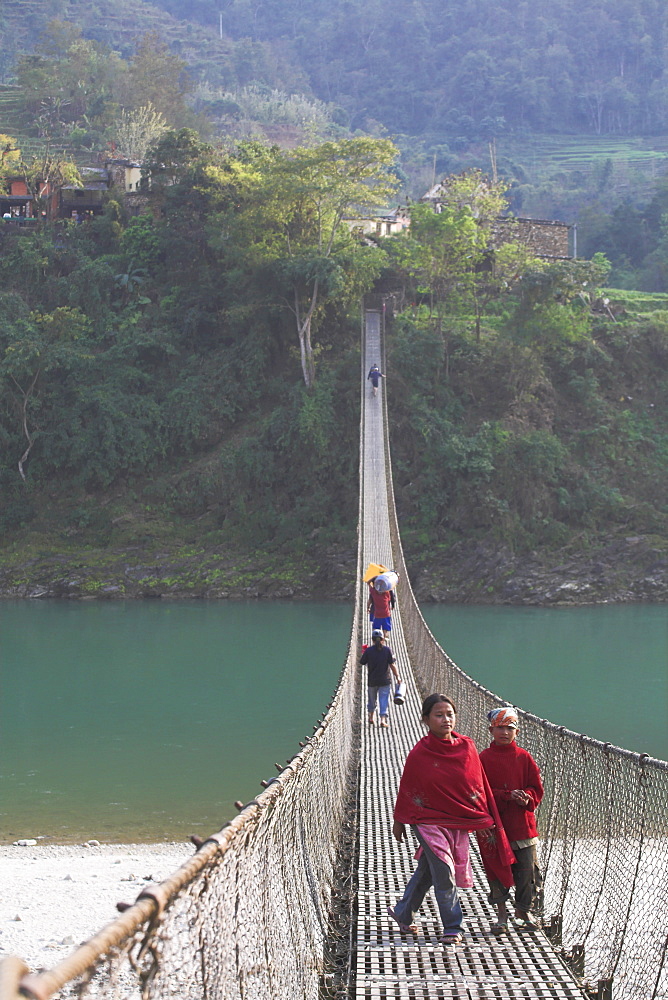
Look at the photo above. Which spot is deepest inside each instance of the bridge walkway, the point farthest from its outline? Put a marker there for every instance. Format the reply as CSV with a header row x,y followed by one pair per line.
x,y
247,916
521,964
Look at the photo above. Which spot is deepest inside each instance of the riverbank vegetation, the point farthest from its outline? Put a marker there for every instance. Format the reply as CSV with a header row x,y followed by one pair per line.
x,y
546,447
160,434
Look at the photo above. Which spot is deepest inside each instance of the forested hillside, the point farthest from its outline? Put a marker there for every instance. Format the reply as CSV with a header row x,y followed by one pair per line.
x,y
120,27
180,411
179,387
452,76
456,69
464,71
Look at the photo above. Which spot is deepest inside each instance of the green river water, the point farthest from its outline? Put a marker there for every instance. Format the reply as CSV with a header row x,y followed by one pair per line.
x,y
144,721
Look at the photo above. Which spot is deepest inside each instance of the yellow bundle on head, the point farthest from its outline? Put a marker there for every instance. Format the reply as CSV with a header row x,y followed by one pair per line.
x,y
373,569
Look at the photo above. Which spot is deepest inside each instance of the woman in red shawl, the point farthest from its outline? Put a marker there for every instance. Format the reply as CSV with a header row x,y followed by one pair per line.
x,y
443,794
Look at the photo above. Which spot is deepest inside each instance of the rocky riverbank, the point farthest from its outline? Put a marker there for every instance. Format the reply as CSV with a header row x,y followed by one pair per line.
x,y
177,574
631,568
56,896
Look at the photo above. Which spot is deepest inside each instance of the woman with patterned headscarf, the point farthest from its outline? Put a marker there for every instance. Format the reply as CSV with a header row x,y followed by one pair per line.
x,y
517,788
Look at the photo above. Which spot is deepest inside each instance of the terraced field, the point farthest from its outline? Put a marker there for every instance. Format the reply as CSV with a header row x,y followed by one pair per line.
x,y
546,154
10,110
13,123
638,303
118,25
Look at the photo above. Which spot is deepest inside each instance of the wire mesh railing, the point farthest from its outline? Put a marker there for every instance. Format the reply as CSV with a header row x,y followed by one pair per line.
x,y
248,916
603,825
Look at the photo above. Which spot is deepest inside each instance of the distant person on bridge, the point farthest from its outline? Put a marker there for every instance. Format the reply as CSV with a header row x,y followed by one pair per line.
x,y
517,787
443,794
379,661
380,606
375,375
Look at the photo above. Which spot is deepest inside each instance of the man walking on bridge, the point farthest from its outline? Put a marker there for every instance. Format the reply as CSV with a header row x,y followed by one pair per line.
x,y
375,375
379,661
380,606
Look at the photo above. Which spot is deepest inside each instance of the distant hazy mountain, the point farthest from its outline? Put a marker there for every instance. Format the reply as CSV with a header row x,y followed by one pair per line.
x,y
465,70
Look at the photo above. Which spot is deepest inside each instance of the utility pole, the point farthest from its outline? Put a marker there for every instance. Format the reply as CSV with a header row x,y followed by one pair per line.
x,y
492,156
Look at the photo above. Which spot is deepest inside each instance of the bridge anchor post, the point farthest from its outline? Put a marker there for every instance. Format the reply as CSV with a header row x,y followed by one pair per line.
x,y
601,991
604,991
553,928
576,960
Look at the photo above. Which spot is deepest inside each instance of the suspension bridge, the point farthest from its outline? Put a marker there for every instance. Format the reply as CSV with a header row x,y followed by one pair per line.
x,y
288,900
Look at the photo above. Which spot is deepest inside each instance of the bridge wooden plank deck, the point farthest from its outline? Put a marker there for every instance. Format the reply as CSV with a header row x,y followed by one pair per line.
x,y
390,965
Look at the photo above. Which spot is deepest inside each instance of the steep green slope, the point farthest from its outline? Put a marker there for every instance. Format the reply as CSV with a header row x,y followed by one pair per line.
x,y
220,60
157,435
536,462
533,474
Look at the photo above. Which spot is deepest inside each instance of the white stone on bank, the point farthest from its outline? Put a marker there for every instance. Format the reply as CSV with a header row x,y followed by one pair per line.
x,y
54,897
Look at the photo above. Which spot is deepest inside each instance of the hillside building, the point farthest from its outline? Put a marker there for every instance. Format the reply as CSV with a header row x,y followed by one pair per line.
x,y
548,239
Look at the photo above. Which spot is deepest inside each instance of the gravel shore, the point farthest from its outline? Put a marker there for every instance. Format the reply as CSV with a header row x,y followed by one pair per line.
x,y
54,897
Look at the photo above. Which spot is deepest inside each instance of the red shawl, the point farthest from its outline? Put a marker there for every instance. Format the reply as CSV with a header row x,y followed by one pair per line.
x,y
444,783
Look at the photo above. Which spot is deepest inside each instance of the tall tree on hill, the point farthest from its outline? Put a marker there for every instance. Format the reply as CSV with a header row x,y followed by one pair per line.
x,y
9,154
33,347
172,155
159,77
312,256
135,131
447,247
68,79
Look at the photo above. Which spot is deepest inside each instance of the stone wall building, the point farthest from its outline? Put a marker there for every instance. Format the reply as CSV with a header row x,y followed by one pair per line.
x,y
546,239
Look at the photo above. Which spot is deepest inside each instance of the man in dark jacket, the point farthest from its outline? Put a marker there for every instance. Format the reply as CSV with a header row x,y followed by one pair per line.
x,y
379,661
375,374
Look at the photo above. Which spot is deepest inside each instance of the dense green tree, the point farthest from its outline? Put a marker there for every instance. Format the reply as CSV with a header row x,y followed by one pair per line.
x,y
449,248
9,151
632,237
68,79
305,195
33,347
158,76
171,156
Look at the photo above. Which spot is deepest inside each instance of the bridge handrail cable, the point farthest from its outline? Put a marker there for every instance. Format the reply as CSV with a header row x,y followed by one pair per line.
x,y
603,822
247,916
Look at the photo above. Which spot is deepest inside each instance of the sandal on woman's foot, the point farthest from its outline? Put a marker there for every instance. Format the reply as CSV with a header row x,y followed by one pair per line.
x,y
404,928
500,927
451,940
525,923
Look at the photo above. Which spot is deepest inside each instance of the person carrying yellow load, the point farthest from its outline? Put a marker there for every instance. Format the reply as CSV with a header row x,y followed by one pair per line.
x,y
381,599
